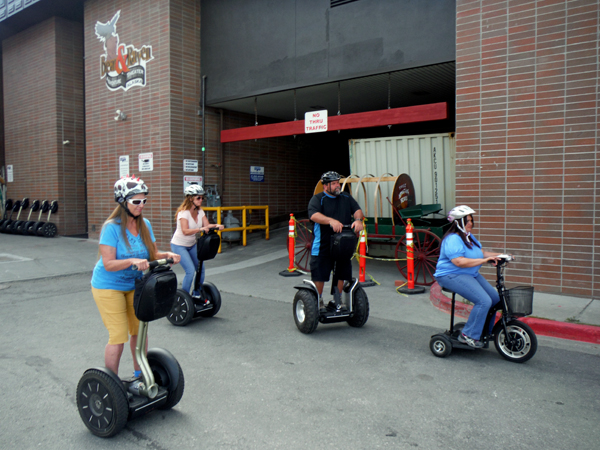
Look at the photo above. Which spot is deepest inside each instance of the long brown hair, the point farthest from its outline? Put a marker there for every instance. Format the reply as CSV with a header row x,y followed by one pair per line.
x,y
119,216
187,203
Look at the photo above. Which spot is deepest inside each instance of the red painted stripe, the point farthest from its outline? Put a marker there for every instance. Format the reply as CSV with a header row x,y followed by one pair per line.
x,y
395,116
543,327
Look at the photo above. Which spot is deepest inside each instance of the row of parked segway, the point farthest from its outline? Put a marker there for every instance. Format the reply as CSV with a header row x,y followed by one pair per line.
x,y
31,226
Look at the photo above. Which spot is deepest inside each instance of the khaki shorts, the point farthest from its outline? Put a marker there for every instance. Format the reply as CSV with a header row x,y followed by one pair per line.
x,y
116,309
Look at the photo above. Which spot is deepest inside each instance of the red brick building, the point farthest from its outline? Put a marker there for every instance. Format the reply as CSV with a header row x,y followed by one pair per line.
x,y
520,80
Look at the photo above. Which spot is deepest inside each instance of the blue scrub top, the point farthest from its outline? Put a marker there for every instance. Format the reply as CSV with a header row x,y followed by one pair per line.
x,y
122,280
454,247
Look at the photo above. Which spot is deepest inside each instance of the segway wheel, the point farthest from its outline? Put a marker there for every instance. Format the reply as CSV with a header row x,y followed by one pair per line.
x,y
182,311
521,343
306,311
49,230
167,374
360,309
37,228
214,297
102,403
440,346
25,228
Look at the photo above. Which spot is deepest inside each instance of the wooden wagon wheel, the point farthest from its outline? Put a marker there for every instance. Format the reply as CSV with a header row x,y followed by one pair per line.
x,y
304,239
426,246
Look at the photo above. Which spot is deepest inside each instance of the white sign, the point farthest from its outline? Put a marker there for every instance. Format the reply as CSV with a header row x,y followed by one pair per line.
x,y
315,121
190,165
257,173
9,173
123,165
146,162
191,180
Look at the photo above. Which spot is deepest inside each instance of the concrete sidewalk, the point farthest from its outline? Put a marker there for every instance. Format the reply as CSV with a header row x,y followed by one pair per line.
x,y
253,271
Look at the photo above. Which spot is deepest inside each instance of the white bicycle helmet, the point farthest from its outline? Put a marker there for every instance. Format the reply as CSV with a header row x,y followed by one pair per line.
x,y
458,212
129,186
194,189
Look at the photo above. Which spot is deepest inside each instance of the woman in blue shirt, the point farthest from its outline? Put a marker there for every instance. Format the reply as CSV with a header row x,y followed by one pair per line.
x,y
457,269
126,240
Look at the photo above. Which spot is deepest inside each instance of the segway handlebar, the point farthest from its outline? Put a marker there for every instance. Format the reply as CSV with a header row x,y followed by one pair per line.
x,y
158,262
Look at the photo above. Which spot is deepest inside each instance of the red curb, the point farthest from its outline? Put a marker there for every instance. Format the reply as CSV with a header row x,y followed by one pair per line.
x,y
543,327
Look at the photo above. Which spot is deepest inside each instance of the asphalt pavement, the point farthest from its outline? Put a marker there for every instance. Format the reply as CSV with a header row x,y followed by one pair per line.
x,y
253,381
253,270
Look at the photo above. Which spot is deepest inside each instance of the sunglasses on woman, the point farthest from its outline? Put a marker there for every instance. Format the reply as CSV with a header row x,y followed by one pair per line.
x,y
200,197
137,201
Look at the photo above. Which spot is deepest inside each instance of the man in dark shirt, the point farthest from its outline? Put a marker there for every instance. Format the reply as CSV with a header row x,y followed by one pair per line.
x,y
330,210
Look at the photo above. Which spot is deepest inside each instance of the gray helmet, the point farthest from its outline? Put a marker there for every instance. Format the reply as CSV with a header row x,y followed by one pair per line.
x,y
330,176
194,189
129,186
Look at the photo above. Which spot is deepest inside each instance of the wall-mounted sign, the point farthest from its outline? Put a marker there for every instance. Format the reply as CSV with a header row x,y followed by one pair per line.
x,y
122,65
315,121
190,180
9,173
257,173
123,165
190,165
146,162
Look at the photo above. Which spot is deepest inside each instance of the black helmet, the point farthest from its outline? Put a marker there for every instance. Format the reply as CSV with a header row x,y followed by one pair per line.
x,y
330,176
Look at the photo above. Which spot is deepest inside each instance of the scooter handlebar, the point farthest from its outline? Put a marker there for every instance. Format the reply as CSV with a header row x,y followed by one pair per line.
x,y
158,262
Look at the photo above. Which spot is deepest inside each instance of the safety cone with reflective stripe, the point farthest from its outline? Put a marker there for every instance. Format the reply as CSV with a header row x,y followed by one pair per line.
x,y
362,262
409,287
291,270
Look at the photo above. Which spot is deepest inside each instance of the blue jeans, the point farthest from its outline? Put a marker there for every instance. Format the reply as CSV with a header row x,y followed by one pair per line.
x,y
479,292
189,262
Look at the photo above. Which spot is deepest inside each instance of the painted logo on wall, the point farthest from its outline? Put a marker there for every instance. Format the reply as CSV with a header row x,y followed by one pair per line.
x,y
123,66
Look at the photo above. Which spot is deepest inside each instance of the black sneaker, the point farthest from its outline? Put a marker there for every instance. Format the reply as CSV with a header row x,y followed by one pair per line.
x,y
331,306
469,341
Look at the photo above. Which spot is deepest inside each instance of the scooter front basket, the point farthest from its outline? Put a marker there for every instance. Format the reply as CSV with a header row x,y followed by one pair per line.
x,y
520,300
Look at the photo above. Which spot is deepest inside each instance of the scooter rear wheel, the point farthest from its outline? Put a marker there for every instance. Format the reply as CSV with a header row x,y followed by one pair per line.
x,y
521,343
182,311
360,309
102,403
306,311
214,297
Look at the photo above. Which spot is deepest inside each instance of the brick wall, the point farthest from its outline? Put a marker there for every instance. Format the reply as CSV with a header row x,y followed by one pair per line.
x,y
527,136
43,104
161,117
292,169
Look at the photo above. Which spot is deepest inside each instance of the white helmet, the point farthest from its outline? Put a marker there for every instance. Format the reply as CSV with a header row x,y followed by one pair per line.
x,y
128,187
194,189
458,212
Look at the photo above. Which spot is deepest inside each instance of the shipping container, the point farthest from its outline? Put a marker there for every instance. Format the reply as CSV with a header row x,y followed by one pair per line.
x,y
427,159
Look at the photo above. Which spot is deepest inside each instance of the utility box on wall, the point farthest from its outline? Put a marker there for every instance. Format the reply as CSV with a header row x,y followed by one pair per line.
x,y
427,159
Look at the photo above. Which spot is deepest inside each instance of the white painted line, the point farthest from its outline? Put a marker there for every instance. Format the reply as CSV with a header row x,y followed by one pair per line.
x,y
8,258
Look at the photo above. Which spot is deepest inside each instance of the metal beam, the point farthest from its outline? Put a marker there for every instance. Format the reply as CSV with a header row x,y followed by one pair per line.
x,y
394,116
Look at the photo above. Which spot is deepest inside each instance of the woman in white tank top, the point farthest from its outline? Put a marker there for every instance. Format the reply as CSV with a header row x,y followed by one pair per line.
x,y
190,219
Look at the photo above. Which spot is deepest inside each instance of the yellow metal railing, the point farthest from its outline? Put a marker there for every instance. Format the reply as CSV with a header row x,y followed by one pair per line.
x,y
244,228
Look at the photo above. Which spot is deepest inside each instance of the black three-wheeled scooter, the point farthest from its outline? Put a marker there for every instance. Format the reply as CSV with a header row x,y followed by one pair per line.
x,y
207,304
105,402
514,340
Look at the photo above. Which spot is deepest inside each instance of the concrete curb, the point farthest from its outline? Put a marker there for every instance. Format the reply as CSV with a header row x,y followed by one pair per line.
x,y
543,327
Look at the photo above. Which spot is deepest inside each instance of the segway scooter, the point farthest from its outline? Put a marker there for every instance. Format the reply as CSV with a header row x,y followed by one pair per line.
x,y
105,402
351,305
514,340
187,307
